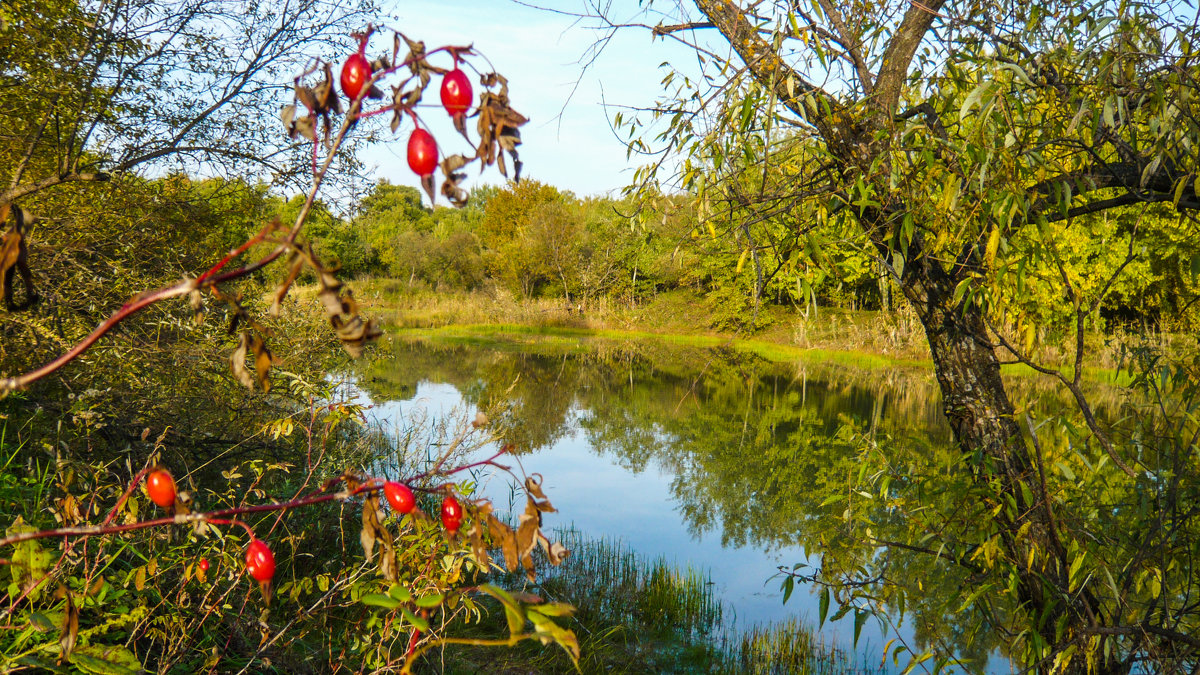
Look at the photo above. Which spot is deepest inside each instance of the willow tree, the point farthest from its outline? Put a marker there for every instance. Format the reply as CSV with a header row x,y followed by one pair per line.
x,y
968,144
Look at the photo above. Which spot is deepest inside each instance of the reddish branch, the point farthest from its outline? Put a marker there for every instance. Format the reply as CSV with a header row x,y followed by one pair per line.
x,y
224,516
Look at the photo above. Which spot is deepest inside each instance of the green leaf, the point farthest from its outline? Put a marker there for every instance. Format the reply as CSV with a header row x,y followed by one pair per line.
x,y
824,606
512,610
860,617
417,622
380,600
428,601
972,100
41,622
555,609
400,593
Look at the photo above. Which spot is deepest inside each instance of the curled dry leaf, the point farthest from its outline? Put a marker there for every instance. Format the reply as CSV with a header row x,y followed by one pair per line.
x,y
498,126
451,188
298,126
555,551
237,361
70,627
196,303
252,343
14,255
262,362
319,101
351,328
373,532
533,486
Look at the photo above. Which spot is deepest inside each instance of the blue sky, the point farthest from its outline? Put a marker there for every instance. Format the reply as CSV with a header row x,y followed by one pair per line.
x,y
539,52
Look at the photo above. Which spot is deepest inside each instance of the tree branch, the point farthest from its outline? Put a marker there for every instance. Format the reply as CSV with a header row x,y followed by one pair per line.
x,y
767,66
662,30
900,51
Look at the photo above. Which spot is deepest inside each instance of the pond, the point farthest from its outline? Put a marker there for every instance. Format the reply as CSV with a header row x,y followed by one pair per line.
x,y
699,455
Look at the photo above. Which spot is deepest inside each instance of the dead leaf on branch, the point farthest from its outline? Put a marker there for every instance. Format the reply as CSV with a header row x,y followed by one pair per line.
x,y
298,126
14,256
319,101
498,126
451,190
252,343
237,361
196,303
70,628
338,301
373,532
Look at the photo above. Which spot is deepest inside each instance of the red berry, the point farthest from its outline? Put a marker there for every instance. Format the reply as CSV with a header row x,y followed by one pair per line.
x,y
204,564
356,72
452,514
260,562
422,152
399,496
161,488
456,92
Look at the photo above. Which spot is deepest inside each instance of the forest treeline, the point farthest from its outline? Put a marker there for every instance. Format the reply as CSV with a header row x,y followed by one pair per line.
x,y
534,240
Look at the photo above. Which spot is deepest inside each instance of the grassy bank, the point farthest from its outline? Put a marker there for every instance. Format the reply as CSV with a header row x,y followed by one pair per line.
x,y
857,338
680,316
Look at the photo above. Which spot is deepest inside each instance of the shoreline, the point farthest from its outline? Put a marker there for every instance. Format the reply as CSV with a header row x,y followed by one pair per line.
x,y
867,339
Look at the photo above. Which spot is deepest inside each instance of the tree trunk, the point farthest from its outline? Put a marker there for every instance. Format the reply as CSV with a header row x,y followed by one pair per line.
x,y
981,416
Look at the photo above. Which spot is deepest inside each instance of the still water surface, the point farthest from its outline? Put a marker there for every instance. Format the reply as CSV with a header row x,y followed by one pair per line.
x,y
695,455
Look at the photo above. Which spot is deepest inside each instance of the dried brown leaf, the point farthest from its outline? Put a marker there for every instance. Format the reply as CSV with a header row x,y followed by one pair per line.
x,y
262,362
237,361
196,302
427,185
295,264
70,628
503,535
326,96
460,124
453,163
555,551
373,532
306,96
475,534
452,192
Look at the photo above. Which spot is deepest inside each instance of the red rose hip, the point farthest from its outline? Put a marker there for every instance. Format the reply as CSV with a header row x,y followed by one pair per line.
x,y
452,514
260,562
356,72
161,488
456,92
422,152
399,496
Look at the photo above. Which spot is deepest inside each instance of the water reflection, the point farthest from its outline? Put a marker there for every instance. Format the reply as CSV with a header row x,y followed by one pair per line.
x,y
712,456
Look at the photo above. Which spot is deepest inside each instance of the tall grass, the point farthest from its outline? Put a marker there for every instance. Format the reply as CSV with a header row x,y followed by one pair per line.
x,y
604,579
637,614
786,648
